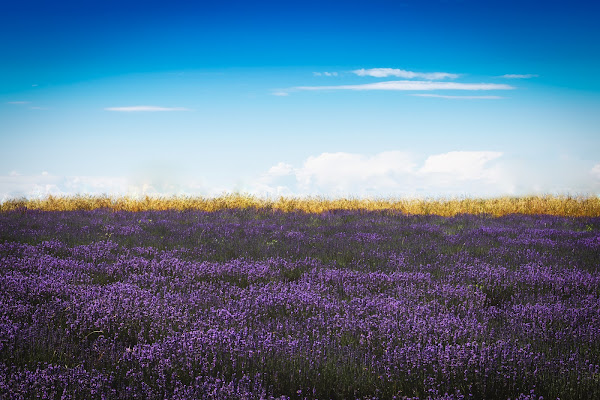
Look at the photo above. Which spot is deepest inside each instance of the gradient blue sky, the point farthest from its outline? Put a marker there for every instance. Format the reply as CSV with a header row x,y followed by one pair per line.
x,y
299,98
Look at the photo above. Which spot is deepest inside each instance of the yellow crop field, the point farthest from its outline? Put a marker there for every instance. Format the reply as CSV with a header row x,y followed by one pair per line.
x,y
571,206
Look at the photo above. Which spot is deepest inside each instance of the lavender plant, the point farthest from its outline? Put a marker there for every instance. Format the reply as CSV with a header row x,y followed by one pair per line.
x,y
263,304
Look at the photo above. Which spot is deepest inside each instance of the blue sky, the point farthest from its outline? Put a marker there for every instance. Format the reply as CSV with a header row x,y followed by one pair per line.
x,y
385,98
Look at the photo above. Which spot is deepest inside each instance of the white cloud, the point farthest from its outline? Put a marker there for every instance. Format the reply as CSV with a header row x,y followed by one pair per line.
x,y
325,73
400,73
344,171
455,173
441,96
276,181
519,76
412,85
18,102
280,93
460,165
145,108
335,174
382,174
389,173
281,169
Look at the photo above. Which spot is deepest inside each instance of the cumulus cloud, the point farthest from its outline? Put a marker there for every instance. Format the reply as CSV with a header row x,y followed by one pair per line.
x,y
442,96
412,85
343,172
463,170
519,76
335,173
400,73
145,109
455,173
281,169
460,164
385,173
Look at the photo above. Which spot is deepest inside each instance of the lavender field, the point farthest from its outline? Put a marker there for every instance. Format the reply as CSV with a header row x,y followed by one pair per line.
x,y
263,304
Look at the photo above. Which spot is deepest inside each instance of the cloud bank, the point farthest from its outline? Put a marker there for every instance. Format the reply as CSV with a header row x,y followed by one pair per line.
x,y
455,173
390,173
383,174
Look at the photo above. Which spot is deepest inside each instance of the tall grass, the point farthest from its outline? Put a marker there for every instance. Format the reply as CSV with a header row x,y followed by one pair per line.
x,y
568,206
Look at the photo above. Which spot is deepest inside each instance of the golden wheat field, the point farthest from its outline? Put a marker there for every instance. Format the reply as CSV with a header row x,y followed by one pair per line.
x,y
571,206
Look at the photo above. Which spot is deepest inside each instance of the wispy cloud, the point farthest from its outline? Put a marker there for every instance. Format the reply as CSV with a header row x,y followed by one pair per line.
x,y
401,73
442,96
280,93
18,102
145,109
519,76
325,73
412,85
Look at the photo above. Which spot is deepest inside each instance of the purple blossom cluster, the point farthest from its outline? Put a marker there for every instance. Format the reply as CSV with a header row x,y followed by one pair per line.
x,y
260,304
